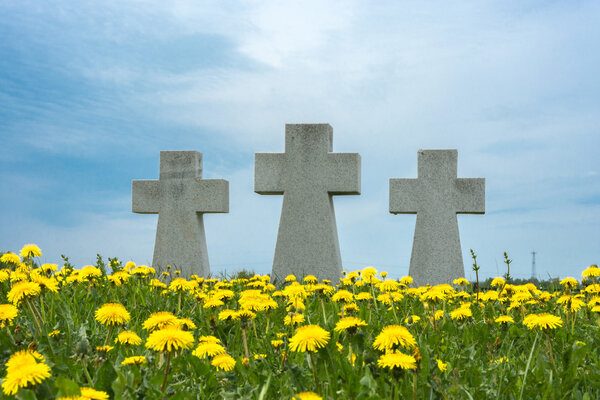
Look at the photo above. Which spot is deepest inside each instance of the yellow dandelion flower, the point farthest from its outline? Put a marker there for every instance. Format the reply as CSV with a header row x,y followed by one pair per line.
x,y
24,370
276,343
186,323
307,396
245,315
569,282
498,282
393,336
112,314
504,319
294,319
10,258
223,362
8,312
169,338
30,250
209,339
290,278
54,333
104,349
309,338
46,268
412,319
461,313
128,338
343,296
159,320
591,271
406,280
134,360
397,360
388,286
92,394
310,279
460,282
442,366
542,321
213,302
349,324
179,285
22,290
208,349
363,296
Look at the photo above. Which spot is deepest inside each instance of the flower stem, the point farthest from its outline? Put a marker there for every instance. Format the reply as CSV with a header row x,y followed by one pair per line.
x,y
164,384
35,320
245,343
314,368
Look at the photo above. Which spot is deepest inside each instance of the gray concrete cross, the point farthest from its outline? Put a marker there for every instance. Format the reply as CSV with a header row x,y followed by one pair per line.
x,y
436,197
307,175
180,197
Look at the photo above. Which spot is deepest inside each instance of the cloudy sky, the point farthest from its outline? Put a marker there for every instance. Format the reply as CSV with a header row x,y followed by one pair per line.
x,y
90,92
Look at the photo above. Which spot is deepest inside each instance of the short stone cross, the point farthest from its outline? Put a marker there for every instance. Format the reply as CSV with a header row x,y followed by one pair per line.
x,y
180,197
308,174
436,197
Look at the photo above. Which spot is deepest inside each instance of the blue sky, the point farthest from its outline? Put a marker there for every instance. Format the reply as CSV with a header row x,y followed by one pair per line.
x,y
90,92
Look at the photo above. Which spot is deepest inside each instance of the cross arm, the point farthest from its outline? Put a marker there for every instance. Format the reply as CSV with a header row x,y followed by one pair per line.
x,y
470,195
405,196
343,173
268,173
210,195
145,196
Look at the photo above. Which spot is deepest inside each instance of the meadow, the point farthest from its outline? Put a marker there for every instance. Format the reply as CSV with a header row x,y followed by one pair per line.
x,y
126,331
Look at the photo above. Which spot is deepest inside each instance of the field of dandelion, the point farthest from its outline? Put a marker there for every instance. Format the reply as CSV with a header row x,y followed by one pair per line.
x,y
126,331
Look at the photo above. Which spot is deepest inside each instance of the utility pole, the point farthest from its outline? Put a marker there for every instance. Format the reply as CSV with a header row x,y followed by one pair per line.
x,y
533,271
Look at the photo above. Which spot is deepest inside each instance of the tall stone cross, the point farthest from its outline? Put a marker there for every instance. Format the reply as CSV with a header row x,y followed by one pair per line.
x,y
180,197
436,197
308,174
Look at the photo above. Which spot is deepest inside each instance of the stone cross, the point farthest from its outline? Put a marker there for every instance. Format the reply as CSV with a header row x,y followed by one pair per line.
x,y
180,197
308,174
436,197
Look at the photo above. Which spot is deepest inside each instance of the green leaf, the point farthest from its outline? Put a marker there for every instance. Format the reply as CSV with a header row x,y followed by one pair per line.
x,y
66,387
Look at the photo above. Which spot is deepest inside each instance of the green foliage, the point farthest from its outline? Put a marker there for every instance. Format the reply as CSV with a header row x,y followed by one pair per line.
x,y
485,360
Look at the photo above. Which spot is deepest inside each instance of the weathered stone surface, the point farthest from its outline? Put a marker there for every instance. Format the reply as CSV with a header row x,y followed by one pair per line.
x,y
181,197
307,175
436,197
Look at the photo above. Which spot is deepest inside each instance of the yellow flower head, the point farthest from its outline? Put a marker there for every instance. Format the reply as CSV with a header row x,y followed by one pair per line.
x,y
542,321
30,250
498,282
569,282
134,360
10,258
349,324
209,339
8,312
460,282
22,290
92,394
591,271
310,279
208,349
343,296
294,319
406,280
397,360
504,319
309,338
128,337
307,396
393,336
276,343
24,370
159,320
54,333
112,314
442,366
169,338
461,313
223,362
179,285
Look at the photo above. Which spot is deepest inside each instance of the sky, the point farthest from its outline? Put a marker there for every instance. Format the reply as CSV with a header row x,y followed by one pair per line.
x,y
90,92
